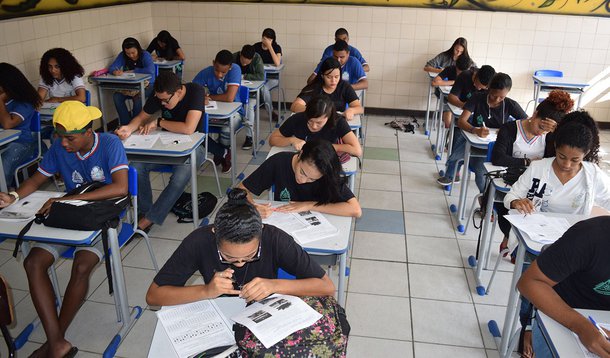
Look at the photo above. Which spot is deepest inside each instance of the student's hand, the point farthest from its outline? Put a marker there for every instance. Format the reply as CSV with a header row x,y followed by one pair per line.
x,y
296,207
297,143
481,131
53,100
123,132
6,200
222,284
524,206
148,127
117,72
548,125
257,289
206,100
267,42
264,209
47,206
349,114
593,340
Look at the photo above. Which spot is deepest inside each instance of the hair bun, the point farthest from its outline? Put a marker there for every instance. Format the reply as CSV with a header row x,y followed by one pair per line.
x,y
561,100
237,197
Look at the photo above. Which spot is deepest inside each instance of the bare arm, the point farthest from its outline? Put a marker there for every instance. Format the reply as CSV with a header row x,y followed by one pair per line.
x,y
366,68
347,208
265,210
432,69
27,188
311,78
455,100
79,96
228,96
277,139
260,288
350,145
354,108
138,121
42,92
179,55
438,81
362,84
189,126
464,125
298,105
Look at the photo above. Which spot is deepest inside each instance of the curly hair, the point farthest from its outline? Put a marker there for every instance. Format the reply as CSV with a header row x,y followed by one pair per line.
x,y
69,65
571,130
555,106
17,86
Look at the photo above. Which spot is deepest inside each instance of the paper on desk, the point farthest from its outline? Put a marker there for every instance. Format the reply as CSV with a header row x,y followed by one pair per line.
x,y
584,350
276,317
211,105
196,327
49,105
491,137
26,208
175,138
305,226
141,141
540,228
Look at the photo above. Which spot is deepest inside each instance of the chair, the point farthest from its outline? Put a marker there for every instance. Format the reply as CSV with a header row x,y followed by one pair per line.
x,y
280,103
35,128
475,200
244,95
542,73
6,316
87,98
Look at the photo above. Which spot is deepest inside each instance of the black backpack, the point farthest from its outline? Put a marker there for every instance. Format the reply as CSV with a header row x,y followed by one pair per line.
x,y
183,208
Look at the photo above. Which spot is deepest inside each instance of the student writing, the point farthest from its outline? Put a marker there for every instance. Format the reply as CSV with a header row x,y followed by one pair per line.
x,y
448,57
165,47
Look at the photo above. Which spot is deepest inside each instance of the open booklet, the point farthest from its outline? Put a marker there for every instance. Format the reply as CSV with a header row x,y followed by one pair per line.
x,y
584,349
305,227
26,208
539,227
140,141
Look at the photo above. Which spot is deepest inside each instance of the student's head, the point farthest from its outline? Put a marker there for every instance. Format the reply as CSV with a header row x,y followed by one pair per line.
x,y
320,113
554,108
131,48
163,38
238,228
341,51
573,142
73,122
58,63
167,87
463,63
222,63
14,85
499,86
342,34
318,162
459,47
269,34
483,76
246,55
330,73
583,118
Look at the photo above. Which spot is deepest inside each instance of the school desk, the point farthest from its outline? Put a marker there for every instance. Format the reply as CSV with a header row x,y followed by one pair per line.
x,y
439,147
6,136
276,72
431,76
255,87
221,116
167,65
568,84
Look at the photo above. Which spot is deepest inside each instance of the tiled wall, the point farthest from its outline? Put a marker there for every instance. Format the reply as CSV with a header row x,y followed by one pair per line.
x,y
396,42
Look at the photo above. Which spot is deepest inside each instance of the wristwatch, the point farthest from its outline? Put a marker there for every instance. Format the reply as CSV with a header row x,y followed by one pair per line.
x,y
15,195
159,122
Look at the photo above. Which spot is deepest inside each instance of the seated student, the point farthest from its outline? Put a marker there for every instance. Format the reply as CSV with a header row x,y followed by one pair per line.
x,y
222,80
61,77
328,82
319,121
131,59
80,155
250,63
182,108
447,78
447,58
468,83
308,180
342,34
18,104
165,47
489,109
572,273
351,69
271,53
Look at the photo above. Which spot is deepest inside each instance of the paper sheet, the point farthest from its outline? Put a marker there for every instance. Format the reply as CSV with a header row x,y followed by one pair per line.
x,y
26,208
305,226
196,327
174,138
49,105
540,228
491,137
211,105
584,350
276,317
140,141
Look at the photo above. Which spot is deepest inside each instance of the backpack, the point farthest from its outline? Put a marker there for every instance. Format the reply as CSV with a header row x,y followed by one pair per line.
x,y
404,125
183,208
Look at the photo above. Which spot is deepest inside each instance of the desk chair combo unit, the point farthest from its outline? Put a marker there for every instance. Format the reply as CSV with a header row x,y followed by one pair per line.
x,y
35,127
281,95
439,147
548,80
431,76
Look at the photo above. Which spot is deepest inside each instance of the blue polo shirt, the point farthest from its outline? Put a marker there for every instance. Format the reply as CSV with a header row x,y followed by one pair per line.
x,y
144,64
207,79
353,52
105,157
26,112
352,71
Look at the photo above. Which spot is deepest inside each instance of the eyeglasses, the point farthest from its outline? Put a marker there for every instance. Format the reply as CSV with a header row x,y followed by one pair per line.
x,y
232,261
166,101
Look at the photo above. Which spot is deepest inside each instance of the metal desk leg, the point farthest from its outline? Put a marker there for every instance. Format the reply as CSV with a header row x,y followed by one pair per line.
x,y
427,125
233,151
463,187
451,132
342,268
440,133
194,192
142,96
257,118
579,98
100,98
3,184
512,308
485,242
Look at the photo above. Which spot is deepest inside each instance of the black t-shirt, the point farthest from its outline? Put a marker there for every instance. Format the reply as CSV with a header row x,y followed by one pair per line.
x,y
463,87
198,252
296,126
193,100
168,53
449,73
493,117
343,95
579,262
265,55
278,171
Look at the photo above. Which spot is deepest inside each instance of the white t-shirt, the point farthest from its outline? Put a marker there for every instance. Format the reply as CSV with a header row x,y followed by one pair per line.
x,y
62,88
524,148
566,198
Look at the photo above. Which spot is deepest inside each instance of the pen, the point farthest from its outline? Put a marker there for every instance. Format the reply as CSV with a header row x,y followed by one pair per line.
x,y
599,328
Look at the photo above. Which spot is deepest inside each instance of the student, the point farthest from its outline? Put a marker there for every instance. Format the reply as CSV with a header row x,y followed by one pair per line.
x,y
271,53
308,180
237,255
319,121
469,82
165,47
80,155
342,34
351,69
250,63
447,78
447,58
61,77
18,104
222,80
572,273
328,82
131,59
182,109
489,109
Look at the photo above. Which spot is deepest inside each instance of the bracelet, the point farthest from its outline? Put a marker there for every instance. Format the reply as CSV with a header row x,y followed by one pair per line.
x,y
14,195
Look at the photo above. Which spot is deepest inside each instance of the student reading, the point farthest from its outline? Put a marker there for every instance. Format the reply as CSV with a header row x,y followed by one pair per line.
x,y
271,53
237,255
18,104
447,78
308,180
165,47
447,58
342,34
61,77
351,69
80,155
328,82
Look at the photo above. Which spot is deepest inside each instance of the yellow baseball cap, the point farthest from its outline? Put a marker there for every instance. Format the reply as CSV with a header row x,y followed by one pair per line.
x,y
74,116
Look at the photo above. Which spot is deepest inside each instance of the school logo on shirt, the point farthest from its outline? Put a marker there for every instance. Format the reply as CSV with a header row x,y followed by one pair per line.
x,y
166,114
77,178
469,95
345,76
97,174
285,195
534,192
603,288
480,120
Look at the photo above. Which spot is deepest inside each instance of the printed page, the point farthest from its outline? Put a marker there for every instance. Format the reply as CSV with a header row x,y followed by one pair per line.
x,y
540,228
276,317
174,138
26,208
288,222
139,141
584,350
195,327
305,227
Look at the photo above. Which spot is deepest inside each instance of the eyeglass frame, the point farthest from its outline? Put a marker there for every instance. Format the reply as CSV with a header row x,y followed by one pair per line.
x,y
256,257
166,101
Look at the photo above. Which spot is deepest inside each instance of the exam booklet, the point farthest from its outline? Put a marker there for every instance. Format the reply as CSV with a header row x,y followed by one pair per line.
x,y
305,227
276,317
196,327
140,141
26,208
538,227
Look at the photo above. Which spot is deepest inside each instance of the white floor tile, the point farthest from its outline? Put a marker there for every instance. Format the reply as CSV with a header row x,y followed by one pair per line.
x,y
425,350
138,340
93,327
379,246
380,182
139,256
439,283
430,203
379,316
433,251
380,142
378,277
137,281
380,199
365,347
485,313
499,291
428,225
381,166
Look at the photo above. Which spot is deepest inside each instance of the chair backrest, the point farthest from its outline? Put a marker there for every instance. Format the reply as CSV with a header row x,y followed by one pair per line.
x,y
490,149
87,97
35,125
244,95
548,73
204,124
132,181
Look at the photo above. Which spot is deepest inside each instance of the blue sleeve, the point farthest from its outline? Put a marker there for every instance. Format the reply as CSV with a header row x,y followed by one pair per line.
x,y
149,66
23,110
118,63
234,75
48,165
318,66
358,71
117,159
355,53
327,52
200,78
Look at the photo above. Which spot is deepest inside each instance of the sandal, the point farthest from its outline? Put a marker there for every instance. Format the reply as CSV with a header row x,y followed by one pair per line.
x,y
71,353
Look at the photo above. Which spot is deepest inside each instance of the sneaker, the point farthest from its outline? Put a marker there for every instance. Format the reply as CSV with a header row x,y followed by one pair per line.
x,y
444,181
218,160
226,162
247,144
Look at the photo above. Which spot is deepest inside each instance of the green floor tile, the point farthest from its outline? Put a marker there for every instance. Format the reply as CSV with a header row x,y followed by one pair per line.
x,y
208,183
380,153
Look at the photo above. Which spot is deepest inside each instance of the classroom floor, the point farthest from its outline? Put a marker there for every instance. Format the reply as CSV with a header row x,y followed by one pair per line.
x,y
410,292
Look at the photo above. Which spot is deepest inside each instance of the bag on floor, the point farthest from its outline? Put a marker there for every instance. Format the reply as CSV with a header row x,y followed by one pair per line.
x,y
404,125
325,338
183,207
